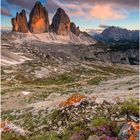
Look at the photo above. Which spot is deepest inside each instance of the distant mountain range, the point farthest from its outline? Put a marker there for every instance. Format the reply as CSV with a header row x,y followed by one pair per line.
x,y
118,35
62,27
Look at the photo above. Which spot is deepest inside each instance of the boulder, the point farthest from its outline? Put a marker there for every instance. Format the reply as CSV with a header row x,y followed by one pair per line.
x,y
61,23
130,130
19,23
38,19
75,30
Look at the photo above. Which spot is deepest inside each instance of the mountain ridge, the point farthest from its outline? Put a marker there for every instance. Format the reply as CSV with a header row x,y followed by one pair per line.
x,y
61,30
115,34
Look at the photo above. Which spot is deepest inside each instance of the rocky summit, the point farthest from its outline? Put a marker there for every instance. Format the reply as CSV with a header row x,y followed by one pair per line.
x,y
19,23
114,34
61,23
38,21
74,29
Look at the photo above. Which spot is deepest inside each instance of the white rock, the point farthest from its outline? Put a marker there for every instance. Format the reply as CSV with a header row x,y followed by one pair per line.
x,y
99,100
25,93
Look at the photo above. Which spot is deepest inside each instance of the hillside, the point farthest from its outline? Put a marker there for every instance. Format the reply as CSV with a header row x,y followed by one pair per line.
x,y
59,83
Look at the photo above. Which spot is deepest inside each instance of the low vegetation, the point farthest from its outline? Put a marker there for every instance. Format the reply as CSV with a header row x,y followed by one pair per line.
x,y
96,80
130,107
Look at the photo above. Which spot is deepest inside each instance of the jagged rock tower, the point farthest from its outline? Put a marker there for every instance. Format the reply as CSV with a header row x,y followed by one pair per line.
x,y
75,30
38,20
61,23
19,23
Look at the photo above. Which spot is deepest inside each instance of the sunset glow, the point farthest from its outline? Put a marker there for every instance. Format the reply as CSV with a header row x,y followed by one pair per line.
x,y
87,14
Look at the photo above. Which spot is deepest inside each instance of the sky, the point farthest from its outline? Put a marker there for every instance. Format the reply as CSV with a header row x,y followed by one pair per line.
x,y
89,15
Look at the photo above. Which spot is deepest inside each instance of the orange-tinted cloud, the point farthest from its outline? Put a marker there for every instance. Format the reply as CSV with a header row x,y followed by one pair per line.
x,y
104,12
96,11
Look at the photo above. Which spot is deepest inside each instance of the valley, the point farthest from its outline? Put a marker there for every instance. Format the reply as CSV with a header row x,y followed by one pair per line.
x,y
34,90
60,83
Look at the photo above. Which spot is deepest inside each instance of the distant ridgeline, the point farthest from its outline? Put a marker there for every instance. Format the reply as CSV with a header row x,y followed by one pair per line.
x,y
118,35
39,22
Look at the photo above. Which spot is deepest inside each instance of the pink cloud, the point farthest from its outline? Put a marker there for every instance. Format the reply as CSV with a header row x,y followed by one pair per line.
x,y
96,11
104,12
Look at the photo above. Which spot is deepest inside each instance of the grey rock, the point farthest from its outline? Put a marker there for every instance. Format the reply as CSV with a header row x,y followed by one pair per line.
x,y
39,20
19,23
61,23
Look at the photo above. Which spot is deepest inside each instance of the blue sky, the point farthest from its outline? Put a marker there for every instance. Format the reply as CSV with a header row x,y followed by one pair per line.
x,y
89,14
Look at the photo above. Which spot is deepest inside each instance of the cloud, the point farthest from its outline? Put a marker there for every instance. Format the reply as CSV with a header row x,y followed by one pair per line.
x,y
5,12
51,6
26,4
103,26
97,30
106,12
121,3
93,31
89,9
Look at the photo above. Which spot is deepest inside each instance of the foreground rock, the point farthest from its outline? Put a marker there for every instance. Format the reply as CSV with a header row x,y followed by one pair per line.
x,y
38,21
7,126
129,130
19,23
61,23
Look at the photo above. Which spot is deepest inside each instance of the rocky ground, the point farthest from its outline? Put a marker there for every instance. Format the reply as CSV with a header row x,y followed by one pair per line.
x,y
65,97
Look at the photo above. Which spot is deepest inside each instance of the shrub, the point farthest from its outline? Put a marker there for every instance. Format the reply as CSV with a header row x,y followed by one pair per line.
x,y
99,121
130,107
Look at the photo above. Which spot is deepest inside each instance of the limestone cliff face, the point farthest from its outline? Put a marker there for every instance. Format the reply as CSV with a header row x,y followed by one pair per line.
x,y
130,56
38,20
19,23
61,23
75,30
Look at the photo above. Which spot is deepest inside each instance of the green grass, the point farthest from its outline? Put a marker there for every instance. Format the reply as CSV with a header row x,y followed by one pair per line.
x,y
42,95
95,81
55,79
51,136
99,121
58,80
12,136
130,107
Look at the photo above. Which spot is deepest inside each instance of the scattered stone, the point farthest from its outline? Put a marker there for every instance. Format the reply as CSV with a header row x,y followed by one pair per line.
x,y
135,119
94,137
129,131
7,126
99,100
25,93
73,100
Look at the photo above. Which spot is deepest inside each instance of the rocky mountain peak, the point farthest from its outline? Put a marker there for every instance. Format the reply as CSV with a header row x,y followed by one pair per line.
x,y
61,23
38,20
75,30
19,23
23,12
117,34
61,13
38,3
